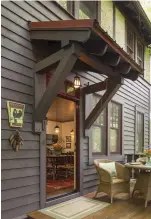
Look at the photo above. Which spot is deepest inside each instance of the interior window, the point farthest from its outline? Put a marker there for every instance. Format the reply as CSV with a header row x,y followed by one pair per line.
x,y
115,127
139,53
139,132
130,43
98,130
87,9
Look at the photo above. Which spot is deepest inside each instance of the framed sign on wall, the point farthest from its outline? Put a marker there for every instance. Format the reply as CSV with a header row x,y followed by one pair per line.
x,y
15,113
68,138
68,145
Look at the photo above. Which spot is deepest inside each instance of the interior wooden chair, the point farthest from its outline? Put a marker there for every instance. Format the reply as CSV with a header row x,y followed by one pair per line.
x,y
70,164
49,167
109,184
61,167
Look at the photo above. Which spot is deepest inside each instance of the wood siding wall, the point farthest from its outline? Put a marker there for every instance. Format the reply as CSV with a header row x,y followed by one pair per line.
x,y
133,94
20,170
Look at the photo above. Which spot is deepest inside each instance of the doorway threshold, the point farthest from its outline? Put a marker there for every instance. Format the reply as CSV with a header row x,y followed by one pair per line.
x,y
61,198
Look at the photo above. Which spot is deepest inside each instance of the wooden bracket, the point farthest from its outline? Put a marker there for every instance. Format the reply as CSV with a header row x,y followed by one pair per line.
x,y
95,87
95,63
112,87
63,69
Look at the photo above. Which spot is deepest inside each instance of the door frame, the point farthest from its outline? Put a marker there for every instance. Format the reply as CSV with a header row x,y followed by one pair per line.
x,y
77,101
43,199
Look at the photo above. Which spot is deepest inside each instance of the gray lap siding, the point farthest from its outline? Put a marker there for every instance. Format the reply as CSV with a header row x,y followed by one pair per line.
x,y
21,170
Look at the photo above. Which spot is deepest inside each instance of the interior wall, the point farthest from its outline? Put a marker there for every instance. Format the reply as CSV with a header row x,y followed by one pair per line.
x,y
65,129
50,128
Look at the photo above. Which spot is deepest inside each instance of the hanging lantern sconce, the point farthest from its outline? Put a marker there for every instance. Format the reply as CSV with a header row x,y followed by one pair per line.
x,y
77,82
72,132
57,129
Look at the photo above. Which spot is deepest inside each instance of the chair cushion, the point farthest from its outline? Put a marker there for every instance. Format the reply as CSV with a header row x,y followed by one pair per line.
x,y
116,180
110,167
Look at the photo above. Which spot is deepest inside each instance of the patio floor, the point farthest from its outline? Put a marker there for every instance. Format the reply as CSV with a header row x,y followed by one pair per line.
x,y
122,208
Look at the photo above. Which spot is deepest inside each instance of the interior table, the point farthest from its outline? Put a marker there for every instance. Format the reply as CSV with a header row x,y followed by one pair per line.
x,y
143,182
54,159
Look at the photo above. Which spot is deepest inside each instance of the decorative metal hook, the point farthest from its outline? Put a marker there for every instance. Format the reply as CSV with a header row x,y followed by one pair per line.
x,y
16,140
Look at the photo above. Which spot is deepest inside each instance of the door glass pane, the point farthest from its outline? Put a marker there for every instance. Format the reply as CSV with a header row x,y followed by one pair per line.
x,y
96,139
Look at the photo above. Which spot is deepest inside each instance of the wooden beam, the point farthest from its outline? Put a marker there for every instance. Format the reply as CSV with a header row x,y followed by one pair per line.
x,y
95,87
112,59
112,88
96,63
44,64
62,71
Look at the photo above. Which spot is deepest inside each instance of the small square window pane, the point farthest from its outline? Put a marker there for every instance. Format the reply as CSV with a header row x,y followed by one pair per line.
x,y
101,118
115,110
113,140
96,139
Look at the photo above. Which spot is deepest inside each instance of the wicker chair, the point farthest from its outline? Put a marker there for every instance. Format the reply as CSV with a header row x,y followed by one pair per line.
x,y
112,185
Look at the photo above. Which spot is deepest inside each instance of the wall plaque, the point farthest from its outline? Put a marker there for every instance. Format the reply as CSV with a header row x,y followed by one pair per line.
x,y
15,113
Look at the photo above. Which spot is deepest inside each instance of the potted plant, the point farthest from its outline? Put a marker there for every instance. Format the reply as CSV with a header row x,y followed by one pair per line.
x,y
147,153
57,148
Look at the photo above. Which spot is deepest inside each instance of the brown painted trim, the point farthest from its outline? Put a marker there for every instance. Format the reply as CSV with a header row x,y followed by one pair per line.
x,y
68,97
119,50
92,25
78,145
108,131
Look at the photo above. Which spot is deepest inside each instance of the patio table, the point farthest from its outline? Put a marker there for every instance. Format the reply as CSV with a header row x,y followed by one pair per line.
x,y
143,182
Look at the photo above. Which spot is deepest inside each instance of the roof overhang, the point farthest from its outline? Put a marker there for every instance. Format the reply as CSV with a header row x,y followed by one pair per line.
x,y
96,47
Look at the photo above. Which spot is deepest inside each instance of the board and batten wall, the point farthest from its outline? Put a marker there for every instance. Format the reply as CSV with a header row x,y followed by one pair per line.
x,y
20,170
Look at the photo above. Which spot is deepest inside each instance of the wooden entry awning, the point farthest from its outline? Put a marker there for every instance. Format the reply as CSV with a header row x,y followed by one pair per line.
x,y
95,43
80,45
